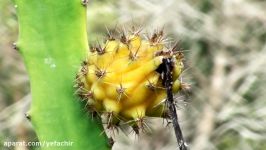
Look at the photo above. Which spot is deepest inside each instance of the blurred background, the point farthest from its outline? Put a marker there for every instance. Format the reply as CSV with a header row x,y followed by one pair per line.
x,y
225,48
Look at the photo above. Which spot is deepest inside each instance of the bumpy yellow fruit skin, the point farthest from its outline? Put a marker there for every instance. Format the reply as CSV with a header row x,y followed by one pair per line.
x,y
121,78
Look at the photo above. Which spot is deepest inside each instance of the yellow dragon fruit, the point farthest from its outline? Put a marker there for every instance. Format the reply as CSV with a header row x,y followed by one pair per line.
x,y
122,78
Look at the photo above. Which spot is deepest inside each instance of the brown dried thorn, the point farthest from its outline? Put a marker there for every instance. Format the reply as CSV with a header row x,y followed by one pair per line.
x,y
84,70
100,73
123,38
100,50
110,35
92,48
157,37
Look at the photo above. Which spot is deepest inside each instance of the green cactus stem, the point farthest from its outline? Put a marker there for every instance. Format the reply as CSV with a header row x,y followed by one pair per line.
x,y
53,42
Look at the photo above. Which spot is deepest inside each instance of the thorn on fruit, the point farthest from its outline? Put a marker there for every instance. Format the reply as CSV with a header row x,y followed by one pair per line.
x,y
157,37
86,95
166,53
110,116
185,87
136,31
123,38
120,91
133,57
176,47
84,63
110,35
142,125
135,129
100,73
84,70
100,50
92,48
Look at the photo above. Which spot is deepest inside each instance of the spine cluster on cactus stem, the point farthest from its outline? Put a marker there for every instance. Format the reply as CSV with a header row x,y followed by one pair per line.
x,y
122,79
